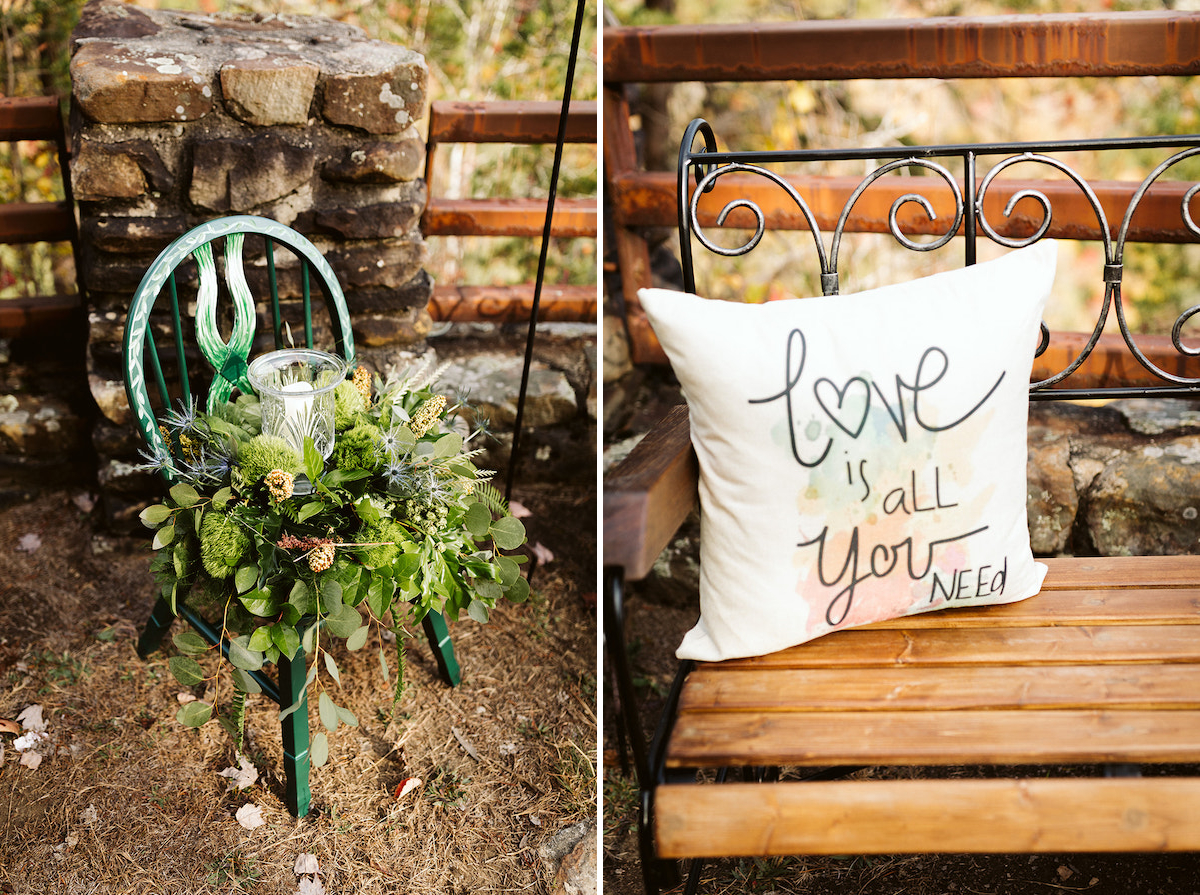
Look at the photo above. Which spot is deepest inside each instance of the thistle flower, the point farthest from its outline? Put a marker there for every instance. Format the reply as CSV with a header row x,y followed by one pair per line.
x,y
427,414
280,484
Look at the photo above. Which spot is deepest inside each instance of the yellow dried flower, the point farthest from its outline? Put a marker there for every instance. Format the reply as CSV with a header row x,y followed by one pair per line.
x,y
320,557
427,414
188,445
280,484
362,382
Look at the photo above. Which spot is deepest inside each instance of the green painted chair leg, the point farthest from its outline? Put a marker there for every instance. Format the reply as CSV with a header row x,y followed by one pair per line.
x,y
156,628
295,734
438,633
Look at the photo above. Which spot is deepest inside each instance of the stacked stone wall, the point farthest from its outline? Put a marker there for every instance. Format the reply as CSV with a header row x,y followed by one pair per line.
x,y
179,118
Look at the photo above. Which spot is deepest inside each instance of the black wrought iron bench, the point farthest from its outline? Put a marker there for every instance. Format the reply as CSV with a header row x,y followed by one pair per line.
x,y
755,755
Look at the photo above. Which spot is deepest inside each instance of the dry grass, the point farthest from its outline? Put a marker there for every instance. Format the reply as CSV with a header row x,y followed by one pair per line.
x,y
133,802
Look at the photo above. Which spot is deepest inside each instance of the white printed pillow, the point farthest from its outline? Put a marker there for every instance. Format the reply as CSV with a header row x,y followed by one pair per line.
x,y
863,456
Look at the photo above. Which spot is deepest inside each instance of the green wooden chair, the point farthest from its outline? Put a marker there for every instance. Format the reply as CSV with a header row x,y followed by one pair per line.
x,y
160,341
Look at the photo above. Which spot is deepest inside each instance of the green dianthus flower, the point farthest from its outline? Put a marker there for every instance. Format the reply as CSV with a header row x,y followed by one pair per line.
x,y
386,542
264,453
358,448
348,403
223,543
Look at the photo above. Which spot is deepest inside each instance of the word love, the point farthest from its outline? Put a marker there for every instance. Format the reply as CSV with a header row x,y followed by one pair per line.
x,y
848,405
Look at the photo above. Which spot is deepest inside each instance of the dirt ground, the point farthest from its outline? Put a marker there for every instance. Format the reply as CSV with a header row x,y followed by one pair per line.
x,y
129,801
660,611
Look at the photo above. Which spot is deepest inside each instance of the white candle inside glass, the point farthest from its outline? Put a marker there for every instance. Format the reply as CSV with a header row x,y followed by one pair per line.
x,y
297,407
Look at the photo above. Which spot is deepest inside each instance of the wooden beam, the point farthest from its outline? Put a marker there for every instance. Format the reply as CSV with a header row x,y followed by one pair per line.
x,y
39,313
512,304
1023,46
30,118
510,122
26,222
508,217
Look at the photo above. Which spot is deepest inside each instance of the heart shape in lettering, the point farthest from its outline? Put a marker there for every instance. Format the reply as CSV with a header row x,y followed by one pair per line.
x,y
842,409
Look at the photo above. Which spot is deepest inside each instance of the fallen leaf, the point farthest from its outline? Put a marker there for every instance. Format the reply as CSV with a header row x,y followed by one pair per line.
x,y
465,743
31,718
243,776
250,816
542,553
306,863
7,726
518,509
29,543
31,760
84,502
185,698
89,816
407,785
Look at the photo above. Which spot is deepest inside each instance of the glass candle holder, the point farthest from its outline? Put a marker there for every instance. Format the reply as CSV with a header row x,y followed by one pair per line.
x,y
295,388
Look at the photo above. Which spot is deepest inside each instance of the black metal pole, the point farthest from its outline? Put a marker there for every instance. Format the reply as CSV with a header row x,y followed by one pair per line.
x,y
541,271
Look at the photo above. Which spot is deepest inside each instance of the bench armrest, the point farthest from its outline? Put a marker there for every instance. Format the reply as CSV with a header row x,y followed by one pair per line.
x,y
648,495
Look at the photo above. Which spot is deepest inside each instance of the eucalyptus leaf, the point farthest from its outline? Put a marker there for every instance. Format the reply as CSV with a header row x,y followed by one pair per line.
x,y
508,532
318,750
367,511
301,597
448,445
332,668
190,643
478,611
478,520
163,536
245,681
241,656
155,515
343,623
186,670
383,665
331,596
328,712
519,592
309,639
509,570
358,639
194,714
488,590
221,498
184,495
347,717
294,707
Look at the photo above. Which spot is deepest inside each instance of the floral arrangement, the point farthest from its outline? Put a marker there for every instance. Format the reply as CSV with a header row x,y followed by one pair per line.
x,y
291,550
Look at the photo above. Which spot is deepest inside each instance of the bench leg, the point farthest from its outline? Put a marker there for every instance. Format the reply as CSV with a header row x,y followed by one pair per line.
x,y
156,628
438,633
292,674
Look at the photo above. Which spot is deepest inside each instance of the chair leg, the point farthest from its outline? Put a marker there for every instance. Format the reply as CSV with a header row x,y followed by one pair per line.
x,y
438,633
156,628
292,674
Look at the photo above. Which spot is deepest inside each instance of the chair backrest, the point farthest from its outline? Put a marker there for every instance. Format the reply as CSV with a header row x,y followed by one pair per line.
x,y
159,335
968,192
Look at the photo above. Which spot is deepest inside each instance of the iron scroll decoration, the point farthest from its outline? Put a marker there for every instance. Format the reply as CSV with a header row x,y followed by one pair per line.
x,y
709,166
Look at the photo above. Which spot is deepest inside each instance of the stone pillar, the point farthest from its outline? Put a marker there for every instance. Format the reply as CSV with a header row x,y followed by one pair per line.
x,y
179,118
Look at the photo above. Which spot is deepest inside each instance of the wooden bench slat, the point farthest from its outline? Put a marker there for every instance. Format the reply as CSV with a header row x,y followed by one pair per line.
x,y
1068,644
940,816
1103,572
30,118
706,739
653,493
508,217
921,688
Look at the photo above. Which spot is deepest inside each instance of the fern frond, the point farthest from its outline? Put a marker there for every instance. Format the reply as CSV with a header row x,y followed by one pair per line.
x,y
491,498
